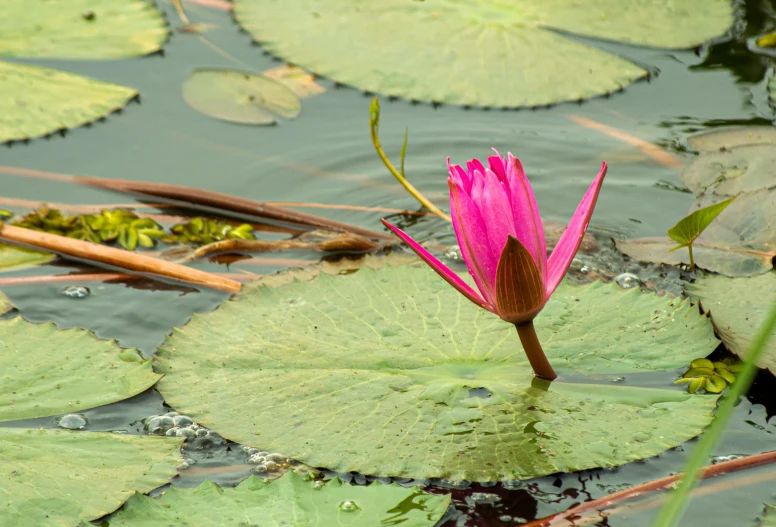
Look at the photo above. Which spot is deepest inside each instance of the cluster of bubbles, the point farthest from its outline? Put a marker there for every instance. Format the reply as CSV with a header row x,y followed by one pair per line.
x,y
269,464
173,424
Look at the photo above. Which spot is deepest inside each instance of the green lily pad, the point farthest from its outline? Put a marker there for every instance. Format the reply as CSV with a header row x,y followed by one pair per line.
x,y
61,477
41,101
392,372
81,29
488,53
740,242
292,500
732,137
239,96
768,518
13,258
45,371
729,172
738,307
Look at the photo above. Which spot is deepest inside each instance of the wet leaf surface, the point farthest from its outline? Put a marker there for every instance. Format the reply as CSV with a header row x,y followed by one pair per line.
x,y
81,29
45,371
740,242
61,477
738,307
292,500
449,51
392,372
239,96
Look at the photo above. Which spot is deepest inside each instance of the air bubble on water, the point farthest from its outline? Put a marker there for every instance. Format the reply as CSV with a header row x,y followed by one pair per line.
x,y
512,484
72,421
584,269
722,459
271,465
453,253
483,498
257,458
76,291
182,420
348,506
505,518
618,379
627,280
259,469
318,485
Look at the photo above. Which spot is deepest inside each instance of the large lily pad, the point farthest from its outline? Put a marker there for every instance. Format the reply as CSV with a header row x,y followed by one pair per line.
x,y
392,372
80,29
727,173
41,101
59,478
732,137
768,518
740,242
45,371
738,308
289,501
488,53
13,258
239,96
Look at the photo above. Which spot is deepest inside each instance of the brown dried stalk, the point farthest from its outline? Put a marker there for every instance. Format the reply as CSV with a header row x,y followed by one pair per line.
x,y
115,257
572,515
199,198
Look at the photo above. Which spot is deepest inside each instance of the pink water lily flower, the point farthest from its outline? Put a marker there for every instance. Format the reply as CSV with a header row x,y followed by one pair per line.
x,y
500,233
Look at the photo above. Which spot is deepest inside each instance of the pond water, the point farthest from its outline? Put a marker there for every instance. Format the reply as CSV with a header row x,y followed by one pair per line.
x,y
325,156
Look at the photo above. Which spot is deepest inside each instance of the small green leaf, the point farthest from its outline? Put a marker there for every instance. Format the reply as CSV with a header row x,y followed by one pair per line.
x,y
727,375
715,384
699,372
697,383
690,227
702,363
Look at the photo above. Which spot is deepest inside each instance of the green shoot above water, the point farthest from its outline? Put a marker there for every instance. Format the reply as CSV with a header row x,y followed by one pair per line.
x,y
374,125
687,230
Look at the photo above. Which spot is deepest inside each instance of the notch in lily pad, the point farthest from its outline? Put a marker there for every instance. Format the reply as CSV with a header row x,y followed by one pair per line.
x,y
240,97
687,230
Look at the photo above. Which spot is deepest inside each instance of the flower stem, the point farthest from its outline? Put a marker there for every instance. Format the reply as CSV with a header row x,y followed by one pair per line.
x,y
533,349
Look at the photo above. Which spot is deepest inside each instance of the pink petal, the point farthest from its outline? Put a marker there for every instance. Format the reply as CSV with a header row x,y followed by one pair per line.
x,y
567,246
528,222
460,176
474,166
496,164
496,212
472,234
441,269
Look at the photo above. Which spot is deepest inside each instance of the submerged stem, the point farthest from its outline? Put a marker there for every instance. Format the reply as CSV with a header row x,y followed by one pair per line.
x,y
533,349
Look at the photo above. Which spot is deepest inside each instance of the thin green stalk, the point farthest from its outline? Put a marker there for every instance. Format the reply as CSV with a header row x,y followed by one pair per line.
x,y
374,124
672,512
692,262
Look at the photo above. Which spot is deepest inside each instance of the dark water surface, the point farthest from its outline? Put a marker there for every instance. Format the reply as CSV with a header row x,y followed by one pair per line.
x,y
326,156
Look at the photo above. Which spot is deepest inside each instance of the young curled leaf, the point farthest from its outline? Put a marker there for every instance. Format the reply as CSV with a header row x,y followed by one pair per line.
x,y
715,384
698,383
699,372
702,363
727,375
